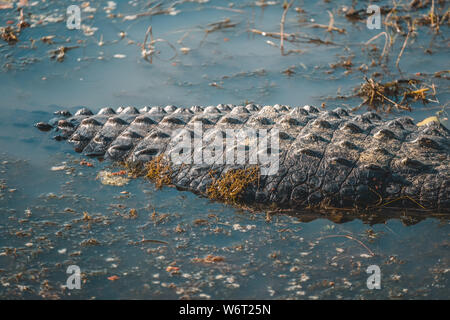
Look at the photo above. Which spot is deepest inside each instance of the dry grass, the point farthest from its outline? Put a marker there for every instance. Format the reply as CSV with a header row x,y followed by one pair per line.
x,y
399,94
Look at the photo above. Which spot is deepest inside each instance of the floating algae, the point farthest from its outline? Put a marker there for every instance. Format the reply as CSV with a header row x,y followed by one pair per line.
x,y
109,178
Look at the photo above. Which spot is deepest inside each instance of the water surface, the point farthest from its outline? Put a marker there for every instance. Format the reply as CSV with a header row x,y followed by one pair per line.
x,y
51,219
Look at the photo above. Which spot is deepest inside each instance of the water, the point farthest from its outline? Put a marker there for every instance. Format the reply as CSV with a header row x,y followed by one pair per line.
x,y
43,228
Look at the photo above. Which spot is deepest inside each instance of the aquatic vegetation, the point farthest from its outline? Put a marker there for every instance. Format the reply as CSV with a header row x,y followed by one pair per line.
x,y
159,171
9,35
133,169
108,178
90,242
230,187
209,259
86,163
228,52
399,94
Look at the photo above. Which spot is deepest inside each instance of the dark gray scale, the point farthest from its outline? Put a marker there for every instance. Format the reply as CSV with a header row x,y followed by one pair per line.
x,y
86,131
310,147
106,111
195,131
331,115
128,139
437,130
422,155
295,119
234,119
265,119
372,180
129,111
52,123
198,176
83,112
204,121
184,150
79,115
158,139
63,113
443,195
211,109
342,112
156,113
65,127
186,174
144,109
278,188
432,190
207,120
110,130
372,116
290,124
223,107
177,119
282,108
170,109
150,146
406,122
282,124
157,110
386,135
252,107
88,128
173,123
356,161
311,109
120,109
196,109
340,159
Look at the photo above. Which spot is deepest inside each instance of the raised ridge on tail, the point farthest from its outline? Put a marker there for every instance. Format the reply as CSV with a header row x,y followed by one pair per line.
x,y
327,159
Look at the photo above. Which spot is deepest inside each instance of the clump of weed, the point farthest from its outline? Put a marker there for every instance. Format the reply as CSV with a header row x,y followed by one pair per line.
x,y
159,171
8,34
108,178
134,169
399,94
230,187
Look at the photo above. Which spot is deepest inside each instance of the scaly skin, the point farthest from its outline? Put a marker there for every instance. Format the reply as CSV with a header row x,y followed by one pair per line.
x,y
328,159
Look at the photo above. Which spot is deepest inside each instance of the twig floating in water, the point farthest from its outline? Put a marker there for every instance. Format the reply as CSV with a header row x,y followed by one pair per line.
x,y
351,238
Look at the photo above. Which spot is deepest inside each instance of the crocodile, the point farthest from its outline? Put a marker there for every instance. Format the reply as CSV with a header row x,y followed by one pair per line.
x,y
326,158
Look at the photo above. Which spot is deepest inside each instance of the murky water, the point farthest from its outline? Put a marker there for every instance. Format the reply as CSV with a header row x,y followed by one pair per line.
x,y
175,244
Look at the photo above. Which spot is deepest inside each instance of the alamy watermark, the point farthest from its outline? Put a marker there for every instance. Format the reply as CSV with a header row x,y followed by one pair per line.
x,y
73,17
374,280
74,280
238,147
374,18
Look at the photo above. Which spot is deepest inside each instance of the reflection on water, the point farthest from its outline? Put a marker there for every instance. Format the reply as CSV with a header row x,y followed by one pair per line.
x,y
54,213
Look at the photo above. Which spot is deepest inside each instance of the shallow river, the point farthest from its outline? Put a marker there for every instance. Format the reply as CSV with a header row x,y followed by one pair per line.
x,y
136,241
